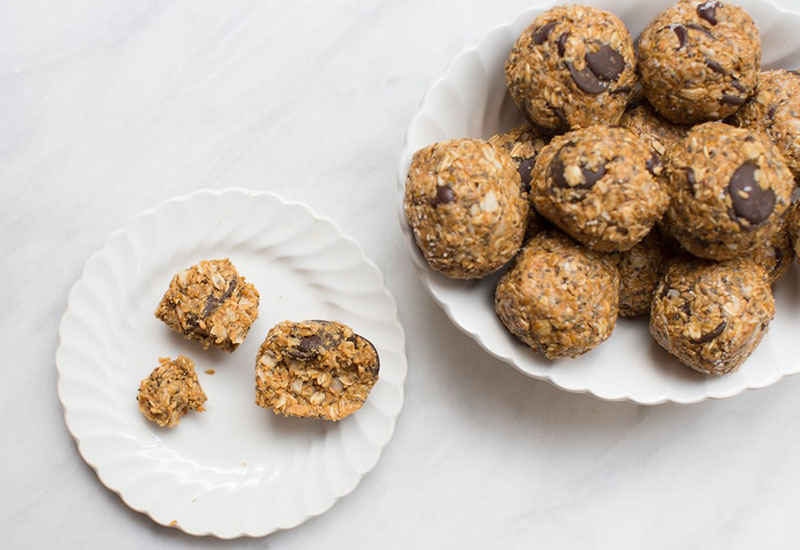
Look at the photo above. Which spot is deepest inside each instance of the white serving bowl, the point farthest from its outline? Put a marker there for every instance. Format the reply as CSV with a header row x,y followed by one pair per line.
x,y
471,100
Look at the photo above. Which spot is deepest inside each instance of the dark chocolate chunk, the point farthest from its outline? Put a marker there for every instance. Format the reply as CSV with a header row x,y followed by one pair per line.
x,y
543,32
444,195
213,303
680,30
778,256
750,201
691,179
729,99
563,123
738,85
307,347
525,167
586,80
654,164
708,11
701,29
561,43
705,338
714,66
605,63
556,174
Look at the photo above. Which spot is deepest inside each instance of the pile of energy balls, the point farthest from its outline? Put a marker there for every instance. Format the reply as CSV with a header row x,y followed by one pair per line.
x,y
653,177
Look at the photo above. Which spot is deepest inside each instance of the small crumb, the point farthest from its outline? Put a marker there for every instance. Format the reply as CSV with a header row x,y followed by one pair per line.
x,y
210,371
173,523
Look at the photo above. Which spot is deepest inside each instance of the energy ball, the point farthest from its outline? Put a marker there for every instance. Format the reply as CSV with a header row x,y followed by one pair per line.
x,y
465,204
211,304
595,185
775,110
171,391
315,369
658,133
710,315
729,189
699,61
640,269
573,67
559,298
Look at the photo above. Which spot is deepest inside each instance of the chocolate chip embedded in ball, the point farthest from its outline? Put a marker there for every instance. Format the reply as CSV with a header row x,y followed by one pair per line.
x,y
729,189
711,315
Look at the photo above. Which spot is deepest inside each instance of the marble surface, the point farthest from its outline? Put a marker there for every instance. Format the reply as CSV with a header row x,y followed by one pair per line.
x,y
109,108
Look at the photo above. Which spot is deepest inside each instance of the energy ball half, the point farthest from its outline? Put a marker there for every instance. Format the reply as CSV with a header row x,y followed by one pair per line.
x,y
315,369
573,67
775,110
559,298
711,315
595,185
729,189
699,60
465,204
211,304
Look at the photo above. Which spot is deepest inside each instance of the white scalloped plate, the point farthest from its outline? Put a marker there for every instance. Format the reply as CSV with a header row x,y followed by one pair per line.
x,y
235,469
471,100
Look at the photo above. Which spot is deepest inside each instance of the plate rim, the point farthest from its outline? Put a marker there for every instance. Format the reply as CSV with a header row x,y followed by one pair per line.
x,y
152,211
424,272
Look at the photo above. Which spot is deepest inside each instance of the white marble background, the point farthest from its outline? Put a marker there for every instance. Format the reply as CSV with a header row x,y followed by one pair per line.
x,y
108,108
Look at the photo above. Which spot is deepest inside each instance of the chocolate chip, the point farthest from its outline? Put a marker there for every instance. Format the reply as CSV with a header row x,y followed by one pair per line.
x,y
444,195
543,32
729,99
708,11
561,43
705,338
701,29
605,63
563,123
212,304
586,80
307,347
778,258
690,178
714,66
771,112
750,201
680,30
556,174
654,164
738,85
525,167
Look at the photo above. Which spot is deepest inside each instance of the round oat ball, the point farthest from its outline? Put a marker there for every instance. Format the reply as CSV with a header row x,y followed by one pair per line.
x,y
711,315
775,110
640,269
465,204
559,298
658,133
729,189
574,66
595,185
699,60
